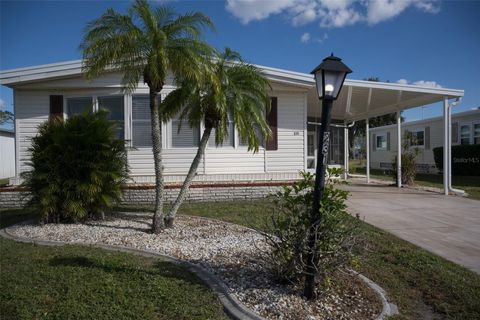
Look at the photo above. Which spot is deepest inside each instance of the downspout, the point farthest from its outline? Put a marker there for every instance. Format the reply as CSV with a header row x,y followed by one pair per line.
x,y
450,188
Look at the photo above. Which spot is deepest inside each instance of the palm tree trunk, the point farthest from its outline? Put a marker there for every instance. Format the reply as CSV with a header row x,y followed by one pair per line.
x,y
189,178
158,222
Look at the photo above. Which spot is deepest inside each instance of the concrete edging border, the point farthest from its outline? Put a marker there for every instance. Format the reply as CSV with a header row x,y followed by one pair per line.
x,y
232,307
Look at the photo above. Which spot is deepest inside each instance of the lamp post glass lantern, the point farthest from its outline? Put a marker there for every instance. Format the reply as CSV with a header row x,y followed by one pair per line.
x,y
329,78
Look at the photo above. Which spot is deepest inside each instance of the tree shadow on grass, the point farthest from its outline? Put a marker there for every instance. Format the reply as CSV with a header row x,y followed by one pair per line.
x,y
159,268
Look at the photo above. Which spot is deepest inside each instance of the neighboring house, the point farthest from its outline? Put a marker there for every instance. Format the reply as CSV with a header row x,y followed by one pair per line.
x,y
60,89
427,134
7,153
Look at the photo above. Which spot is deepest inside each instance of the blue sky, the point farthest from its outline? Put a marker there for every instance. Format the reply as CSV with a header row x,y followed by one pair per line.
x,y
425,41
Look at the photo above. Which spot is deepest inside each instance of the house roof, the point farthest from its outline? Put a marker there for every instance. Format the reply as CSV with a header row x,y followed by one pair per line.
x,y
359,99
475,114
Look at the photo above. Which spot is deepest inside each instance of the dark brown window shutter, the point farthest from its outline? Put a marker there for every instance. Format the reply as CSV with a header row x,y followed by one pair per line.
x,y
272,120
56,107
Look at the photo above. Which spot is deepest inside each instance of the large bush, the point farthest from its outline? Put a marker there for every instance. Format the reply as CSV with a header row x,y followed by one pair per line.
x,y
465,159
78,168
288,230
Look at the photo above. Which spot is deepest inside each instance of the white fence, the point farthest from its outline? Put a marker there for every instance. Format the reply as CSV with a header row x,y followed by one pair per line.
x,y
7,155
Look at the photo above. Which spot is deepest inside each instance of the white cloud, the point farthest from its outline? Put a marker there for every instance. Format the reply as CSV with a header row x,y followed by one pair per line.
x,y
305,38
2,104
328,13
251,10
421,83
424,83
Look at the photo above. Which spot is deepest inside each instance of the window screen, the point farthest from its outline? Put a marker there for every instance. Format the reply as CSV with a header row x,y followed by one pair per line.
x,y
465,134
382,142
229,139
259,135
185,138
79,105
476,133
141,124
114,104
418,138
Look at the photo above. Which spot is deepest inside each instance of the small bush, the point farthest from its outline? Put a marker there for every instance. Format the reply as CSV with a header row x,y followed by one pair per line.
x,y
409,165
288,229
465,159
78,168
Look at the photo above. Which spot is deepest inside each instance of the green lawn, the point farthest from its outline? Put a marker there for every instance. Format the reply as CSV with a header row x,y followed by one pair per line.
x,y
423,285
470,184
77,282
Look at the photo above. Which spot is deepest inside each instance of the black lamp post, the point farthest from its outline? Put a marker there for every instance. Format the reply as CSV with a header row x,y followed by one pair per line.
x,y
329,76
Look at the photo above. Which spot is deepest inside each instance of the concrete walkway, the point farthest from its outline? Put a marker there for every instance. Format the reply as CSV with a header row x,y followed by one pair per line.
x,y
448,226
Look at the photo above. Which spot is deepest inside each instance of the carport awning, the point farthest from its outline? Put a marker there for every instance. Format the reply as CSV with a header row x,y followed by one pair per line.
x,y
365,99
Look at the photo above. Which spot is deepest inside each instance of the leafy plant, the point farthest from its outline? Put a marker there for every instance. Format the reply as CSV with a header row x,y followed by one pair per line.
x,y
409,165
288,229
235,90
78,168
146,45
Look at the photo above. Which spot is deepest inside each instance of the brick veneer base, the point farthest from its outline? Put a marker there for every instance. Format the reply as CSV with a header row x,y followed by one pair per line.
x,y
145,194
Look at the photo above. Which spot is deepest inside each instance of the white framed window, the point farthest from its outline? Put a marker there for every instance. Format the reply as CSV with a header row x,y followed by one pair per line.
x,y
79,105
182,135
465,133
258,133
229,140
116,105
141,122
381,141
476,133
418,138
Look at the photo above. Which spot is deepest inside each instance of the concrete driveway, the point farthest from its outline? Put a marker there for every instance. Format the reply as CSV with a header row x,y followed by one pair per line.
x,y
448,226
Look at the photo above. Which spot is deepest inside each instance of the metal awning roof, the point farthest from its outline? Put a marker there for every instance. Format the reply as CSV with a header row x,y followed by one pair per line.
x,y
358,99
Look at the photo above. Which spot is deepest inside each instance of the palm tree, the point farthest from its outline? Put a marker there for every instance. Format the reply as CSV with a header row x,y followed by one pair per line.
x,y
235,89
148,43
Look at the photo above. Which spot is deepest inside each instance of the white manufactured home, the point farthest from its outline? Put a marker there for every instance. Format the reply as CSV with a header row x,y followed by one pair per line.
x,y
428,134
60,89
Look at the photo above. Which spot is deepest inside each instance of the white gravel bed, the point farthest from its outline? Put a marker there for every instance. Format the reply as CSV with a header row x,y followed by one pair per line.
x,y
230,251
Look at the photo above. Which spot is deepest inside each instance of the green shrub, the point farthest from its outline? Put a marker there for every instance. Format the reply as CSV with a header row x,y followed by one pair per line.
x,y
288,229
78,168
409,165
465,159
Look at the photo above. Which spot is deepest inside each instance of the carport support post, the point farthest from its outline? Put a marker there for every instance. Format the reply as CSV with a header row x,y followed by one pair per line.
x,y
446,146
367,147
399,150
345,151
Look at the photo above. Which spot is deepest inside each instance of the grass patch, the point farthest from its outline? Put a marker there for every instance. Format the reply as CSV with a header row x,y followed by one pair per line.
x,y
471,184
79,282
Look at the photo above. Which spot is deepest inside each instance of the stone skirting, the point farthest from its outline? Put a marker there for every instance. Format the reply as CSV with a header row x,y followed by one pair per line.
x,y
12,197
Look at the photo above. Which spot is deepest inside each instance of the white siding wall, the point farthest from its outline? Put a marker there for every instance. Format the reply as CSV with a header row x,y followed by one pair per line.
x,y
290,156
32,109
7,155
